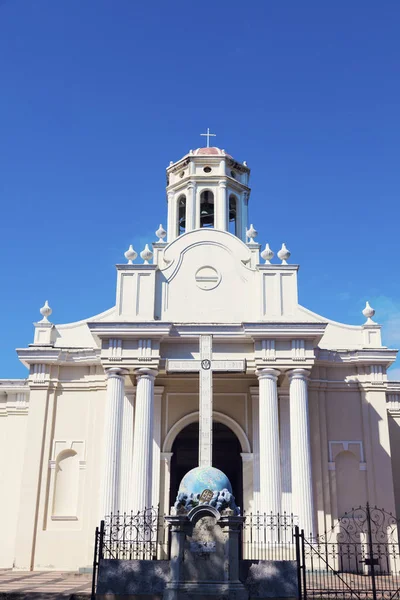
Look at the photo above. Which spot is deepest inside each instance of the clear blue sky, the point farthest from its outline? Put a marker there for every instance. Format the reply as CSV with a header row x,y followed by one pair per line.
x,y
97,96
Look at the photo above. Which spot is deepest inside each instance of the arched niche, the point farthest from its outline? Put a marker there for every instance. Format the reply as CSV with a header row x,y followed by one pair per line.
x,y
66,486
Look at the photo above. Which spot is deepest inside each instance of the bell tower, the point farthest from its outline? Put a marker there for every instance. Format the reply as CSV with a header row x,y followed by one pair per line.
x,y
207,188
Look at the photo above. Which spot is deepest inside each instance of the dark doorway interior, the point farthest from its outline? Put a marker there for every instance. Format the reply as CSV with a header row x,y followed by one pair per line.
x,y
226,457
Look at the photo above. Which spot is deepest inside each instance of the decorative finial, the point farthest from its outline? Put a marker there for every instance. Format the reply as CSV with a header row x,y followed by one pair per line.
x,y
161,233
267,254
284,254
251,233
130,255
146,254
45,311
245,163
171,162
368,313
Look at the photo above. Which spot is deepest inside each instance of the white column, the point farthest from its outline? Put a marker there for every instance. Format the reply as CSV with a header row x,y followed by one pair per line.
x,y
302,490
244,199
255,394
171,226
222,208
197,209
284,434
143,440
191,207
158,391
268,417
206,402
166,460
112,440
125,503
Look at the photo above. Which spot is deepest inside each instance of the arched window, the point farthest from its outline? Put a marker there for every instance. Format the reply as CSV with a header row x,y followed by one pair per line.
x,y
207,209
65,500
233,214
181,214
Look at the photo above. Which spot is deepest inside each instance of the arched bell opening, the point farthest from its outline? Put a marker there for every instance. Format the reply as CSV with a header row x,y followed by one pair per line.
x,y
181,214
207,211
233,207
226,457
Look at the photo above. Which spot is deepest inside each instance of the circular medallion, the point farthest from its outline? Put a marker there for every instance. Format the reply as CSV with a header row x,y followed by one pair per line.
x,y
207,278
206,364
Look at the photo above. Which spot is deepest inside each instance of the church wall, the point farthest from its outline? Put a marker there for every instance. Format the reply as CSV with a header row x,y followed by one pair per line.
x,y
66,540
344,414
350,482
377,449
354,423
184,300
221,350
181,397
394,432
12,445
319,458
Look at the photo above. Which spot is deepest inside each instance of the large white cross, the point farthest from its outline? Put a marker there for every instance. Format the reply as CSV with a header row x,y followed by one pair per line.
x,y
205,366
208,135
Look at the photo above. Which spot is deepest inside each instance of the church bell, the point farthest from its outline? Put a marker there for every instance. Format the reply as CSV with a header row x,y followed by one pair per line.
x,y
207,209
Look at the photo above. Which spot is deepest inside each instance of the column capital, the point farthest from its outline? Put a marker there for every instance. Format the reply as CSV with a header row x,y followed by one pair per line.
x,y
116,372
247,456
191,185
268,373
222,183
166,456
302,374
144,373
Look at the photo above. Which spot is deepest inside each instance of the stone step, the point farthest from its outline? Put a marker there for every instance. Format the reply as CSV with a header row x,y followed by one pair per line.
x,y
42,596
49,585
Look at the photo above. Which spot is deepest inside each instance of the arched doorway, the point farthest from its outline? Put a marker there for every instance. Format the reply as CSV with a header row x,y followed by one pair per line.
x,y
226,457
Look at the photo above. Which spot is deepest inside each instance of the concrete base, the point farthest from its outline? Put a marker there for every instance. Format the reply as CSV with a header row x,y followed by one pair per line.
x,y
212,591
270,579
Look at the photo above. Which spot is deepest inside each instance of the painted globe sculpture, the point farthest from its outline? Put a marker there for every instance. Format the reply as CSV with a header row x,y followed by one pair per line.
x,y
205,485
204,478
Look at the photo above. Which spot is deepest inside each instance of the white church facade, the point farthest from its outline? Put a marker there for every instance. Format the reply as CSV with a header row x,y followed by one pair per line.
x,y
206,358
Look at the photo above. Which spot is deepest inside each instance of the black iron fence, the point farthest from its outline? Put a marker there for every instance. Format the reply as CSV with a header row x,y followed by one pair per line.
x,y
358,558
130,536
266,536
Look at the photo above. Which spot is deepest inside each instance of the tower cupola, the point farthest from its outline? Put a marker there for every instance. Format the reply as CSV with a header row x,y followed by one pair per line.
x,y
207,188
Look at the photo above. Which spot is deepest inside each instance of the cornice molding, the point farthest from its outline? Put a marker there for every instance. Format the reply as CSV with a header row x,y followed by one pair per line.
x,y
152,329
137,267
393,387
58,356
14,385
277,267
365,356
285,330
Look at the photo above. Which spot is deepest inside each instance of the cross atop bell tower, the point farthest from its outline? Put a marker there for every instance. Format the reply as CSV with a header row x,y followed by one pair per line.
x,y
207,188
208,135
